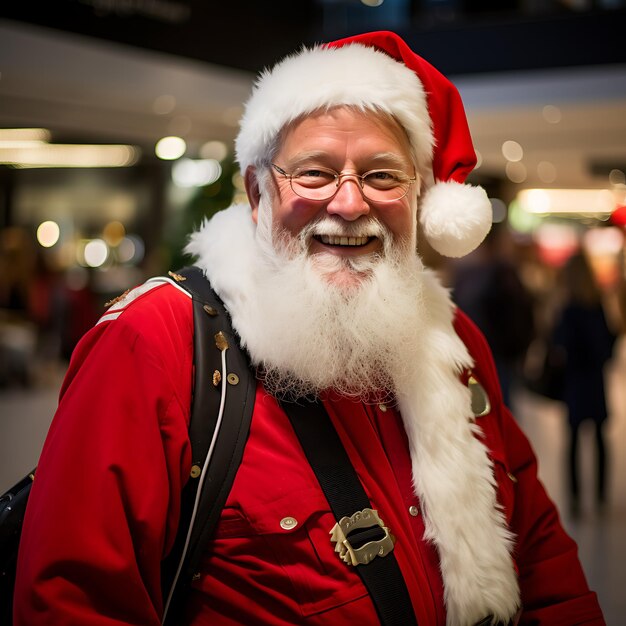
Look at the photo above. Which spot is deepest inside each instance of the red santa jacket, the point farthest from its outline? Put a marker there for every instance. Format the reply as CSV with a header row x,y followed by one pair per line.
x,y
104,508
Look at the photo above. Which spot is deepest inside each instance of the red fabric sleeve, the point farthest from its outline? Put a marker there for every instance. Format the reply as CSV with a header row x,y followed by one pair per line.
x,y
104,505
553,586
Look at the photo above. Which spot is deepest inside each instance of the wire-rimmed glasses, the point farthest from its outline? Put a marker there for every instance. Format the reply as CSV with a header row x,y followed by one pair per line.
x,y
322,183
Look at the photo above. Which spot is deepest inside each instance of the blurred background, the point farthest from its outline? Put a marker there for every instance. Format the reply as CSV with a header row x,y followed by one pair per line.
x,y
117,121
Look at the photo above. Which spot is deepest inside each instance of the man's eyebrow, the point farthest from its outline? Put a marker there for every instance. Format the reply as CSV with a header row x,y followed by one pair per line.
x,y
314,156
380,159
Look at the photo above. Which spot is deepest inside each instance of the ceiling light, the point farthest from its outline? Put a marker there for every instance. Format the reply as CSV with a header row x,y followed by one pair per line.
x,y
567,201
19,136
69,155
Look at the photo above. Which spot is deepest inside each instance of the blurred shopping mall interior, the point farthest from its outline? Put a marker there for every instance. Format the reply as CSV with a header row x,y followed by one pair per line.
x,y
117,121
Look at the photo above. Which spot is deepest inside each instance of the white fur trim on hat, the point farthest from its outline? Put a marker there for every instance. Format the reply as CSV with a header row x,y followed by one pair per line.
x,y
455,217
320,78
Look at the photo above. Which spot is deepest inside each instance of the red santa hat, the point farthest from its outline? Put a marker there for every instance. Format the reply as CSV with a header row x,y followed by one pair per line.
x,y
378,71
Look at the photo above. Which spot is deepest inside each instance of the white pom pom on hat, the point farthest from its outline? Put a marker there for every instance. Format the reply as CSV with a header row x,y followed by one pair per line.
x,y
455,217
379,71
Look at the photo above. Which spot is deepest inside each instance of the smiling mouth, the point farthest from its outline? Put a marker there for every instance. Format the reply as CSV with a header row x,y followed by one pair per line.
x,y
332,240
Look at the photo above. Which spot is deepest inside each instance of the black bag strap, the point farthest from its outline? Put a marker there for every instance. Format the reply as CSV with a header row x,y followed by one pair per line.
x,y
346,496
12,509
213,335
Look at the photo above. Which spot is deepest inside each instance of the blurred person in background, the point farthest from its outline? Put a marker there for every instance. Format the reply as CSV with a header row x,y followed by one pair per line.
x,y
488,288
18,333
347,149
585,340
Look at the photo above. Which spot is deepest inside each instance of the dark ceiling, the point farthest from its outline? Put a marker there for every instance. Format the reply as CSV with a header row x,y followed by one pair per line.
x,y
457,37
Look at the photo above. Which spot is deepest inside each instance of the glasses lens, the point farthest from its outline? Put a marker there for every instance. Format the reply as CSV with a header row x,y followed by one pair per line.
x,y
378,185
385,185
314,183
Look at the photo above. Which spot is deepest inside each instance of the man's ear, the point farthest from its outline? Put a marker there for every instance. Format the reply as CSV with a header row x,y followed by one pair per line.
x,y
252,189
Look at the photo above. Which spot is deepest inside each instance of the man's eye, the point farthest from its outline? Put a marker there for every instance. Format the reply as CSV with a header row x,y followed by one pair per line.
x,y
382,178
313,177
313,174
381,175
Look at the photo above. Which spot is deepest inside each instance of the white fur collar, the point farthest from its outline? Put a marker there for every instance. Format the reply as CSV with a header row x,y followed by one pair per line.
x,y
453,475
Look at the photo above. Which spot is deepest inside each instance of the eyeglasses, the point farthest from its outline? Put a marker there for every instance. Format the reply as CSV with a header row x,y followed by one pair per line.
x,y
321,183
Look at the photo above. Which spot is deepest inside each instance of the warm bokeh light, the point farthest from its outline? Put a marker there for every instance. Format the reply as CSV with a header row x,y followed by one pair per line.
x,y
113,233
238,182
617,177
567,201
546,171
512,151
196,173
95,253
603,246
131,250
556,243
608,240
23,137
515,171
170,148
69,155
214,150
48,233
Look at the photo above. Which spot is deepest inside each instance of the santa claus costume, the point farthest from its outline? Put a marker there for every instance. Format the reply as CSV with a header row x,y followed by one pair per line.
x,y
476,536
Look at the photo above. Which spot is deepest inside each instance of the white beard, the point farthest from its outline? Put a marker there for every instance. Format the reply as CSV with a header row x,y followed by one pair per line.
x,y
391,329
325,322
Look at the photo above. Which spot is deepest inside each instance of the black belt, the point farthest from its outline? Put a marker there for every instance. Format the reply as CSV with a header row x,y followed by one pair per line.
x,y
361,537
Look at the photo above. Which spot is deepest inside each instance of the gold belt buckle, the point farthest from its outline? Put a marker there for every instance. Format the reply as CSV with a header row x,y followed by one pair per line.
x,y
367,518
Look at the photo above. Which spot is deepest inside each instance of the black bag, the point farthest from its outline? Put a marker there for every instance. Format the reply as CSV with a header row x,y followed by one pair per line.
x,y
210,320
12,509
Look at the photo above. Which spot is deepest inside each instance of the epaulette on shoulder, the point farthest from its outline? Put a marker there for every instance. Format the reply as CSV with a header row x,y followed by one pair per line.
x,y
118,305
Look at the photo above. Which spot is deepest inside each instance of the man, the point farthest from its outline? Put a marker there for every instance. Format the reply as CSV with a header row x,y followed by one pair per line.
x,y
347,150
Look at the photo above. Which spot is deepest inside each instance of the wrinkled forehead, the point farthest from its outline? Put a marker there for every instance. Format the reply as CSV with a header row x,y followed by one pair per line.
x,y
382,120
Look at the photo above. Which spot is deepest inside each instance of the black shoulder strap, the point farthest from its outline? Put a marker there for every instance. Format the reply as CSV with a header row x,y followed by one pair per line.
x,y
362,539
221,410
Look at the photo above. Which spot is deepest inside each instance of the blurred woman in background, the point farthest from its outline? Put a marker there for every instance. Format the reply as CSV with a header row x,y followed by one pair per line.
x,y
583,334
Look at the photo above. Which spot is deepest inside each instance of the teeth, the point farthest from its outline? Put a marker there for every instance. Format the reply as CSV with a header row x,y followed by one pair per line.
x,y
343,241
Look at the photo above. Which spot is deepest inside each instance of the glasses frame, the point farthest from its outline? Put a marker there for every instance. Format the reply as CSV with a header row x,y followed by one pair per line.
x,y
338,182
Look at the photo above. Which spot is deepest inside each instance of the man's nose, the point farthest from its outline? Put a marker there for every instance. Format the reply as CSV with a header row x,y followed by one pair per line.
x,y
349,202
